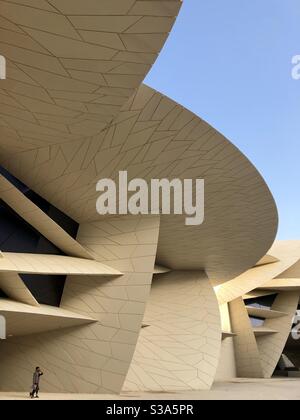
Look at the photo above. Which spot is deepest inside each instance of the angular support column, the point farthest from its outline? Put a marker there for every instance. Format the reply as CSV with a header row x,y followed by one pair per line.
x,y
180,348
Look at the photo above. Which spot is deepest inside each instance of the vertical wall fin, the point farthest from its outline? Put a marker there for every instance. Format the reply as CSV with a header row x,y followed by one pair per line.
x,y
246,350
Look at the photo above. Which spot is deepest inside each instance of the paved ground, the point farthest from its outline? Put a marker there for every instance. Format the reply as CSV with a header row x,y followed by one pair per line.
x,y
274,389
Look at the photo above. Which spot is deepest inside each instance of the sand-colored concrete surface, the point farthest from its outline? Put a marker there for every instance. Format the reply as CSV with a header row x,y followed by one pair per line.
x,y
274,389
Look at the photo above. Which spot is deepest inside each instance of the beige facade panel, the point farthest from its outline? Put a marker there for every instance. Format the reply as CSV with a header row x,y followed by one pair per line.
x,y
225,319
153,137
264,313
94,358
286,252
72,65
14,287
279,273
282,285
158,269
268,277
267,259
180,348
271,347
26,320
53,264
292,272
33,215
257,293
227,335
263,331
247,355
227,362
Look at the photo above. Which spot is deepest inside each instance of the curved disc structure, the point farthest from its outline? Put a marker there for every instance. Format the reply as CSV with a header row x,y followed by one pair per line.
x,y
153,137
73,111
72,65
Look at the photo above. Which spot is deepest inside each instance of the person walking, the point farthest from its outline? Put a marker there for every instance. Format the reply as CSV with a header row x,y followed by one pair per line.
x,y
36,383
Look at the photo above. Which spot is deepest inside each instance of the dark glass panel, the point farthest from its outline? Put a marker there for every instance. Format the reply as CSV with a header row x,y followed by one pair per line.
x,y
18,184
64,221
16,235
3,295
47,290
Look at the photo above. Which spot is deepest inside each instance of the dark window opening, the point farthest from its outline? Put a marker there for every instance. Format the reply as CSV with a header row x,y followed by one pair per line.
x,y
64,221
264,302
47,290
3,295
16,235
289,364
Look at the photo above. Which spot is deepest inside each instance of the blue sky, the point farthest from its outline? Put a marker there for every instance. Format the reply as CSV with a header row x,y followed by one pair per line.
x,y
230,63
